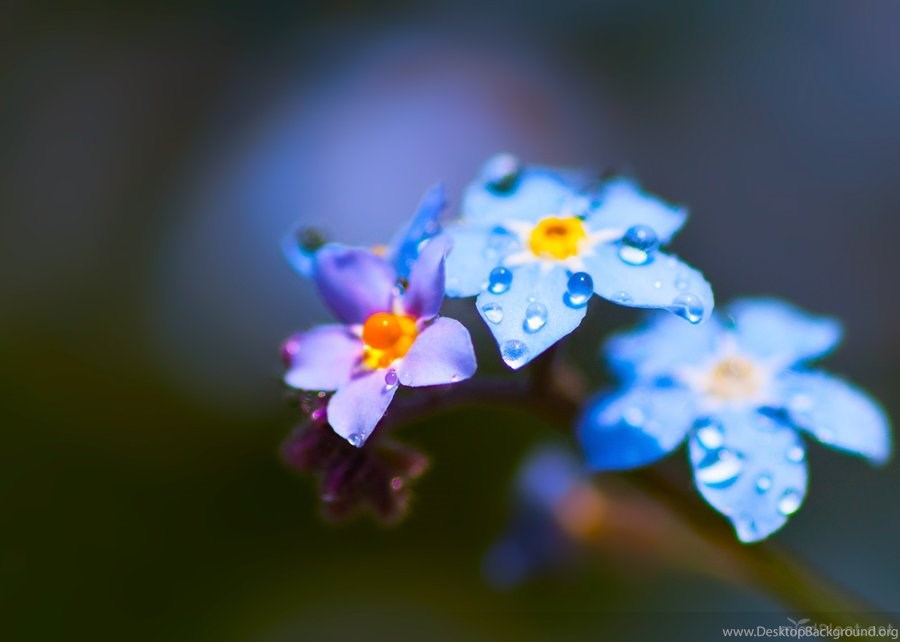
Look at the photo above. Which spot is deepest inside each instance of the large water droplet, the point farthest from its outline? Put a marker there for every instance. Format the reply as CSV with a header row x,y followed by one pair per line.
x,y
789,502
356,439
638,245
501,173
746,528
622,297
709,433
391,379
579,290
493,312
763,483
535,317
719,468
795,454
688,306
514,353
499,280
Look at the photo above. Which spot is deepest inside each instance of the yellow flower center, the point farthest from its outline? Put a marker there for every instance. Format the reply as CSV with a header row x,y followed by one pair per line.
x,y
387,337
557,238
734,378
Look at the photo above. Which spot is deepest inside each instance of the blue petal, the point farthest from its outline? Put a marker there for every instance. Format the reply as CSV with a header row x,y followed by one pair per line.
x,y
622,205
425,290
354,283
358,406
751,469
424,225
531,315
635,428
476,251
837,414
663,282
533,194
662,346
772,329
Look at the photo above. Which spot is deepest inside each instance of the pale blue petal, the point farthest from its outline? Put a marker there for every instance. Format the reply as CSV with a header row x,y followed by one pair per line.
x,y
532,314
635,428
837,414
424,225
533,194
323,358
357,407
621,204
767,328
475,252
663,282
662,346
441,354
425,291
751,469
354,283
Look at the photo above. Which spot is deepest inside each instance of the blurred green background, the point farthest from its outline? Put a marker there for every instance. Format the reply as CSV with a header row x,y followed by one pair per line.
x,y
154,154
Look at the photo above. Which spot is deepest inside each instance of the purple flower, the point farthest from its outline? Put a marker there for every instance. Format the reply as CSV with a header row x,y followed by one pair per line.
x,y
389,335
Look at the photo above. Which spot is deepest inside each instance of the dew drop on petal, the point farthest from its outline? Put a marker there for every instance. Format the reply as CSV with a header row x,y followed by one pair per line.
x,y
514,353
390,379
746,528
795,454
633,416
657,285
763,483
579,290
499,280
638,245
709,433
356,439
493,312
688,306
622,297
789,502
535,317
501,172
719,468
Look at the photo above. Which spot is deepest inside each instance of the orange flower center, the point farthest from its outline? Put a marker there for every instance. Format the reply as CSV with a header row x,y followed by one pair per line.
x,y
387,337
557,238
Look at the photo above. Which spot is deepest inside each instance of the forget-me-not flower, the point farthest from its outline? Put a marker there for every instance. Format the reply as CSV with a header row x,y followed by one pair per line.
x,y
301,244
535,244
738,388
388,336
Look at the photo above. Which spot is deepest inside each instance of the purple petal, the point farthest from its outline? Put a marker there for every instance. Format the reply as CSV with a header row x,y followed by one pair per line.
x,y
443,353
425,293
359,405
354,283
323,358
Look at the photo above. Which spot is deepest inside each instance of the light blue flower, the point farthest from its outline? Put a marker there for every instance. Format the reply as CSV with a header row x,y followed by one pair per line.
x,y
739,389
301,244
534,245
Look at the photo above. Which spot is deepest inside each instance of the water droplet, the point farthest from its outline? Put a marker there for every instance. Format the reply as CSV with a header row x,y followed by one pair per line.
x,y
746,528
763,483
795,454
709,433
501,173
789,502
719,468
356,439
390,379
514,353
396,483
688,306
622,297
499,280
579,290
657,285
493,312
535,317
801,402
638,245
681,283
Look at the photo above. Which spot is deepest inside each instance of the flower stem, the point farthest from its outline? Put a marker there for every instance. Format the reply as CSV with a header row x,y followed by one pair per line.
x,y
554,394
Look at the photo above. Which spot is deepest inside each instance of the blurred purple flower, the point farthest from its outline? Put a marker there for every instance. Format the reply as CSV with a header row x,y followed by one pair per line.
x,y
390,335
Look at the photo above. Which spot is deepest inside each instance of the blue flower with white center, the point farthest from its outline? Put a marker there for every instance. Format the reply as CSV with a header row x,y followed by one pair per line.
x,y
301,244
738,388
535,244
